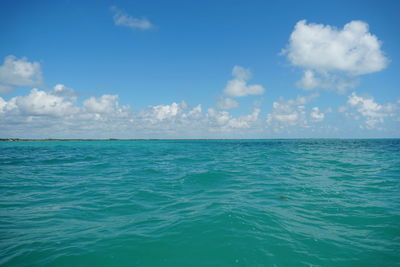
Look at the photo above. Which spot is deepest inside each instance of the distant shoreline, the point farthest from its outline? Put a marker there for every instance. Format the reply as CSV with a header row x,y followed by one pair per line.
x,y
73,139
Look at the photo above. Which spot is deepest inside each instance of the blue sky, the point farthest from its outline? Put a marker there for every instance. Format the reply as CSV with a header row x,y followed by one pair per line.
x,y
199,69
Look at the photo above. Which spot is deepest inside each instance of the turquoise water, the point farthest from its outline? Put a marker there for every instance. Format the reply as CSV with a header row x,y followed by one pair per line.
x,y
200,203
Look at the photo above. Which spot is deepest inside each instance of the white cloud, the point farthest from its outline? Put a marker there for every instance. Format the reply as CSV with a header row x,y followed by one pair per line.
x,y
309,81
57,113
40,103
227,103
3,104
245,121
63,91
61,102
123,19
158,113
332,58
290,112
316,115
162,112
372,112
103,104
176,119
238,87
219,118
179,119
224,121
352,49
19,72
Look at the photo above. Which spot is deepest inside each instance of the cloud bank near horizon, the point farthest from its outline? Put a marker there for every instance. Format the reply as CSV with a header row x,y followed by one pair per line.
x,y
57,113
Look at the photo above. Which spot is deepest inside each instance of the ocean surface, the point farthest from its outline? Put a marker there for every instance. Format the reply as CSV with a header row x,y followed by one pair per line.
x,y
200,203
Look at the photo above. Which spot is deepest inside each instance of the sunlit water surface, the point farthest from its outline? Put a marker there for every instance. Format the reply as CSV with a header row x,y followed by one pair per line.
x,y
200,203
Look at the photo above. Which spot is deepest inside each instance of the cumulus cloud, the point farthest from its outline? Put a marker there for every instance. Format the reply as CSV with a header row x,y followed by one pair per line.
x,y
3,104
222,120
372,112
175,112
290,112
123,19
57,113
19,72
40,103
64,91
316,115
162,112
103,104
333,58
238,86
309,81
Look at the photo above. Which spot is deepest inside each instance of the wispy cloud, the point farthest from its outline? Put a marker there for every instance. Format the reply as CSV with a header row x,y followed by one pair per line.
x,y
373,113
121,18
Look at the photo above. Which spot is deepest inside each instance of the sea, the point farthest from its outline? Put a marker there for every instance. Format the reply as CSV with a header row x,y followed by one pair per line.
x,y
305,202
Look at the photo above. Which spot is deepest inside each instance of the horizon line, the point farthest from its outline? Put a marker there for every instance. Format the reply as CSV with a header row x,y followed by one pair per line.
x,y
183,139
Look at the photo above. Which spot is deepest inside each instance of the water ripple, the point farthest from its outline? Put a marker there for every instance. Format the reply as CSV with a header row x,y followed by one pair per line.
x,y
218,203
